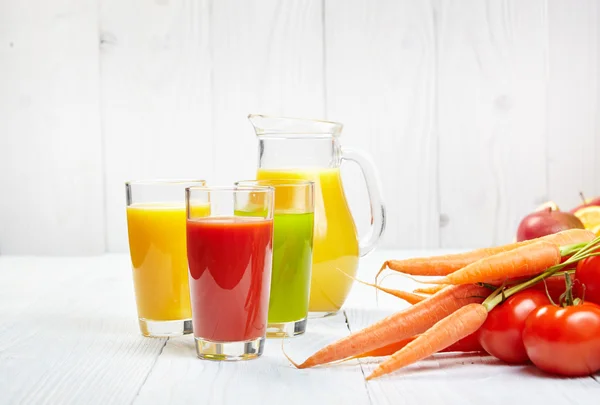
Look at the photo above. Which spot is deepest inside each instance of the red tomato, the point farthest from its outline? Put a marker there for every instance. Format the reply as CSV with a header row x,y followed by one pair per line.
x,y
500,335
564,341
587,280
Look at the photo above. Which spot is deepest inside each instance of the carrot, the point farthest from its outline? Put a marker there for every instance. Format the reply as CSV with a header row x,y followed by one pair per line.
x,y
446,264
447,331
523,261
387,350
401,325
467,344
429,290
403,295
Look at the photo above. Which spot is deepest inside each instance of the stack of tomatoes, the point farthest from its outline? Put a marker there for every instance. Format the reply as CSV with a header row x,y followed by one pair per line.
x,y
559,339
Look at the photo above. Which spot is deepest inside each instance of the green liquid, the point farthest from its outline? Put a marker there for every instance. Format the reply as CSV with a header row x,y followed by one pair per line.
x,y
292,263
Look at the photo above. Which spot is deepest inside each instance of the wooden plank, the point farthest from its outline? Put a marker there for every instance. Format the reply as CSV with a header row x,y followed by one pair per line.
x,y
380,67
72,338
50,147
464,378
268,379
493,67
573,101
267,57
156,97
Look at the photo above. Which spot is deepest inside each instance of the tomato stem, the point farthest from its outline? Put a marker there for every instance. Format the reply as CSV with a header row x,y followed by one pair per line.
x,y
568,294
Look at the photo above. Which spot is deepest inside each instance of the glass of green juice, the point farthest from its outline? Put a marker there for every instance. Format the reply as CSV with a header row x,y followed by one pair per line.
x,y
293,227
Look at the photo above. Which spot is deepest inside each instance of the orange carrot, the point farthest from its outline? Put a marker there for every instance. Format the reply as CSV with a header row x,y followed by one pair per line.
x,y
446,264
401,325
403,295
387,350
466,344
429,290
523,261
447,331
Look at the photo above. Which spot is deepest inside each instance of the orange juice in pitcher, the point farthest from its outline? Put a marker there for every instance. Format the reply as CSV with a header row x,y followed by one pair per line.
x,y
291,148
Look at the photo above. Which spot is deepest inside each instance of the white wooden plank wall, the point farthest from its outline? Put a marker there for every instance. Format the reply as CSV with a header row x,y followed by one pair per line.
x,y
492,117
474,112
156,97
51,197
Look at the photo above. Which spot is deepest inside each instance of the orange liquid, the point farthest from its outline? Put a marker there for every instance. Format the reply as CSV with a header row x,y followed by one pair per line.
x,y
157,244
335,248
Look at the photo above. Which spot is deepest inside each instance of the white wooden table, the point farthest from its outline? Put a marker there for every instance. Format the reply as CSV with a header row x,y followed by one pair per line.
x,y
68,335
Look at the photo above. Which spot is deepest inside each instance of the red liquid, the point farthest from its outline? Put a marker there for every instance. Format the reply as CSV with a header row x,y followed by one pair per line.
x,y
230,275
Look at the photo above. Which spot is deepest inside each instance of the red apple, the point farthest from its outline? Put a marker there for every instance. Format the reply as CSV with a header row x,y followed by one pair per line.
x,y
586,202
542,223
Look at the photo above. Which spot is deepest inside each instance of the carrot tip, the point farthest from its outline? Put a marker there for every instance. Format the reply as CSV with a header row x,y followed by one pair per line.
x,y
371,376
299,366
383,267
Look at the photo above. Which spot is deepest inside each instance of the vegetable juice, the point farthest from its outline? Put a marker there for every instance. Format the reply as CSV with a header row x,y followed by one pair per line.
x,y
230,273
292,256
335,245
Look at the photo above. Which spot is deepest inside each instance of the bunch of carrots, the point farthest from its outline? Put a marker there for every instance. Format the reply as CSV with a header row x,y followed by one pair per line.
x,y
445,316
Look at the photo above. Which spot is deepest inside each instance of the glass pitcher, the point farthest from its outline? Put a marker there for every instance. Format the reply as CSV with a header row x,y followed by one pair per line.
x,y
293,148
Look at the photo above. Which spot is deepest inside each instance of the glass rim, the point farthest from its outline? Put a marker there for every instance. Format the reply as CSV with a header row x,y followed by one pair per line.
x,y
314,128
234,188
293,118
277,182
162,182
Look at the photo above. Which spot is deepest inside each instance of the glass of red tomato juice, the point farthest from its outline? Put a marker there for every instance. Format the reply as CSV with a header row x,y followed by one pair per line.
x,y
230,254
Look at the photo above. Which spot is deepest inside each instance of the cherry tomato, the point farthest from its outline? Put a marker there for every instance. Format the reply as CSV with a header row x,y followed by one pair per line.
x,y
564,341
587,280
500,335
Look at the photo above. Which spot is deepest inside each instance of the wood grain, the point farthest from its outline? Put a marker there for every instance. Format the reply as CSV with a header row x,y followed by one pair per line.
x,y
69,333
50,146
492,95
573,102
267,57
380,66
269,379
474,112
156,97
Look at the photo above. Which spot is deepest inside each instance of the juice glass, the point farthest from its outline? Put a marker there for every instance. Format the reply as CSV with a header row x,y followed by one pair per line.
x,y
292,255
156,226
336,247
230,256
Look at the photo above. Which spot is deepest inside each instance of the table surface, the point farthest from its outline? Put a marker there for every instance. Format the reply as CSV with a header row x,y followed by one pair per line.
x,y
68,335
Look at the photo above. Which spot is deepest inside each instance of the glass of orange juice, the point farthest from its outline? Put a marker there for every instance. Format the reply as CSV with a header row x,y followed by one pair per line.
x,y
156,224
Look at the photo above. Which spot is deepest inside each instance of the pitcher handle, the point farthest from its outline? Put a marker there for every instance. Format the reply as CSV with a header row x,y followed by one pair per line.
x,y
368,242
